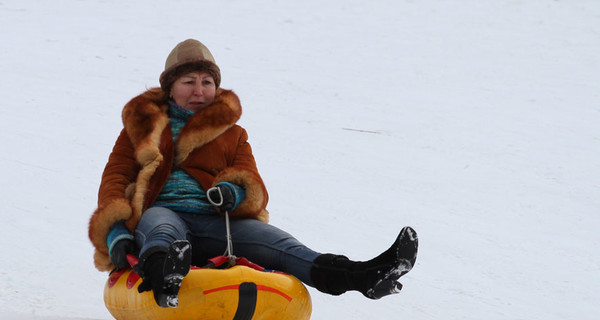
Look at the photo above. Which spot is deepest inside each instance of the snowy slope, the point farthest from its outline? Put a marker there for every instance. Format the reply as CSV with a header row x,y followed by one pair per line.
x,y
476,122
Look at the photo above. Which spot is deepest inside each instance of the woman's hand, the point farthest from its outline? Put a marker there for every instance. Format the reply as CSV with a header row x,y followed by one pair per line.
x,y
222,197
119,252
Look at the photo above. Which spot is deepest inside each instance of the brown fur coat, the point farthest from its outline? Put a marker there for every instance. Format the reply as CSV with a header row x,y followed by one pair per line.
x,y
211,148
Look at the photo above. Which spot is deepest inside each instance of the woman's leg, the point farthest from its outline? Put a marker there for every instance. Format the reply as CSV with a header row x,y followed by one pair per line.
x,y
273,248
261,243
165,254
157,229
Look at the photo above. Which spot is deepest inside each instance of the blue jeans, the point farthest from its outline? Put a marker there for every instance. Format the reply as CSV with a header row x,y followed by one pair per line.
x,y
261,243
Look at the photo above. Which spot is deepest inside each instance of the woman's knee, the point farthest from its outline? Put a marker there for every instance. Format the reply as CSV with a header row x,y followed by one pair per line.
x,y
162,223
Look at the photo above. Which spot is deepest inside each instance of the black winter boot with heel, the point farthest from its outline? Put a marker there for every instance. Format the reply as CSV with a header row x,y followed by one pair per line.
x,y
163,272
376,278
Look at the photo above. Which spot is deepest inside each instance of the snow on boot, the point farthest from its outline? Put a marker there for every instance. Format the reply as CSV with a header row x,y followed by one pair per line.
x,y
401,256
378,277
163,272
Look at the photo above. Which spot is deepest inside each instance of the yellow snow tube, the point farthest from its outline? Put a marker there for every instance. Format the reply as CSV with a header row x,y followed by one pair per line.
x,y
236,293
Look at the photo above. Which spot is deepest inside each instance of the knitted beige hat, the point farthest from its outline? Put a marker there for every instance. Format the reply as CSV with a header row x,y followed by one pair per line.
x,y
188,56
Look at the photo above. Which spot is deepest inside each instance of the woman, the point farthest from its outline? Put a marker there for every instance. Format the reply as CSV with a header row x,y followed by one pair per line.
x,y
180,146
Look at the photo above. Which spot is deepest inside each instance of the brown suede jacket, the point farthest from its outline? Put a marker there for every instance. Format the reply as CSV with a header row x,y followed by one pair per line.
x,y
211,148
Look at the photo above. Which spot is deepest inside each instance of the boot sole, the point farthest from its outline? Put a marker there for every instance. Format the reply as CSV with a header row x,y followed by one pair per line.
x,y
176,267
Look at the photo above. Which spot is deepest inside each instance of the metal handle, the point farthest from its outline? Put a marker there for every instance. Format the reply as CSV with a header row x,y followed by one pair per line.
x,y
211,200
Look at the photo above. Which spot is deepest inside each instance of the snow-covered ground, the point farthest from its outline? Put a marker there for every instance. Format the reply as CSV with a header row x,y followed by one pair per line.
x,y
476,122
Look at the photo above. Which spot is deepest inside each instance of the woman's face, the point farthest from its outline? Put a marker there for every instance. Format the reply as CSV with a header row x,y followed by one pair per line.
x,y
194,90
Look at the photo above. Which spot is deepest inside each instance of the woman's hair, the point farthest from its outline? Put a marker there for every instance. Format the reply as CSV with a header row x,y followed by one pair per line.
x,y
170,76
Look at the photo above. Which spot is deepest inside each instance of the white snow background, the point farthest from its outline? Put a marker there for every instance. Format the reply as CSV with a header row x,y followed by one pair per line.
x,y
475,122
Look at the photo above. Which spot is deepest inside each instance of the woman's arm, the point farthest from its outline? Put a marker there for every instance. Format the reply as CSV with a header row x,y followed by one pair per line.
x,y
244,173
113,197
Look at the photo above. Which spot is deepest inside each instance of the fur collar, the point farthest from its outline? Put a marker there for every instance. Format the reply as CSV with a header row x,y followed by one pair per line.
x,y
145,118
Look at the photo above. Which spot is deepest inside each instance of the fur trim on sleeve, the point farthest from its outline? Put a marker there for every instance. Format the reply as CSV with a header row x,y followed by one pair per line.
x,y
256,194
100,223
102,261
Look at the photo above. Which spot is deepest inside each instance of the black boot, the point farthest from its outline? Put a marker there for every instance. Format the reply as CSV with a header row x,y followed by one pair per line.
x,y
163,272
378,277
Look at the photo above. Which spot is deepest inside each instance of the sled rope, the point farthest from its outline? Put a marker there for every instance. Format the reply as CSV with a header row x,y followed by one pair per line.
x,y
229,249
